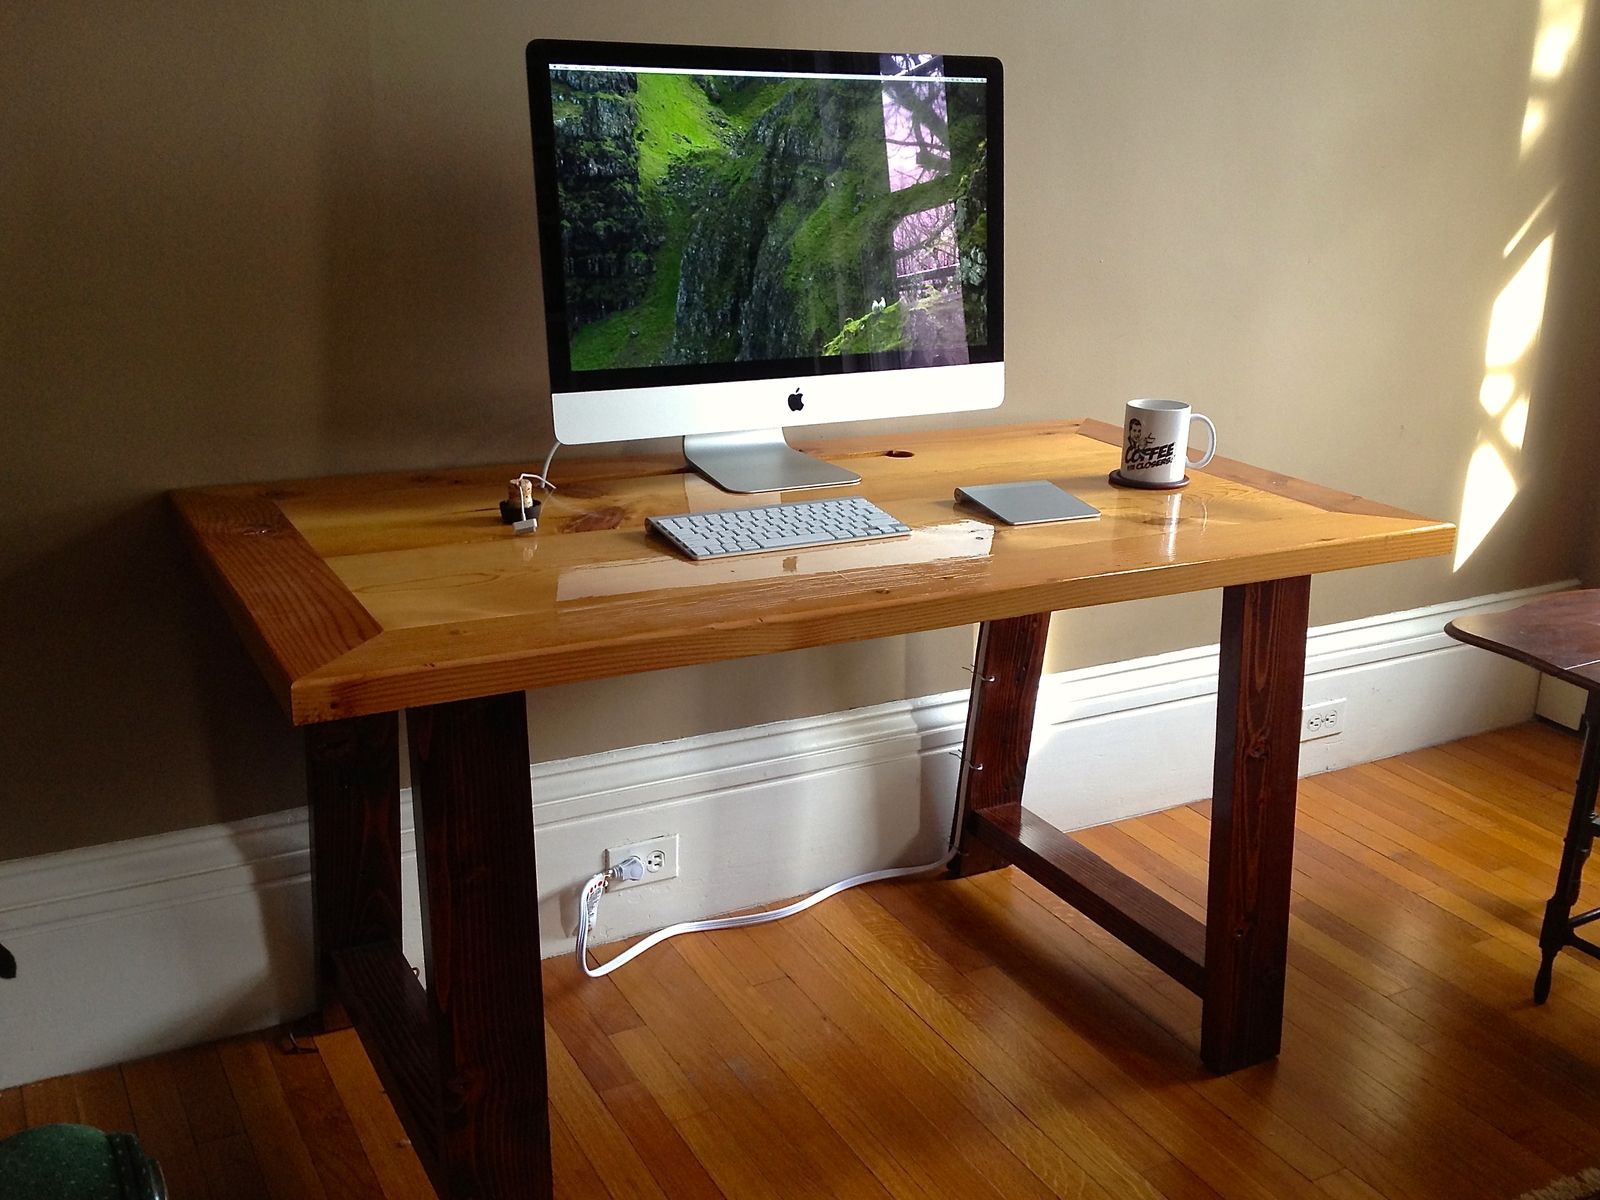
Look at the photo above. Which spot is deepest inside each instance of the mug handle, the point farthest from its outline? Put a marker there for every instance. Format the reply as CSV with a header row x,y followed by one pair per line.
x,y
1211,450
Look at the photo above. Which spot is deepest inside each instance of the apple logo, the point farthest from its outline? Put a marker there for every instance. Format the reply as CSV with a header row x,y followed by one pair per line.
x,y
796,401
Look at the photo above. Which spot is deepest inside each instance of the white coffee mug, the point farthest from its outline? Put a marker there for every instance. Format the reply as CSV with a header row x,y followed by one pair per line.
x,y
1155,442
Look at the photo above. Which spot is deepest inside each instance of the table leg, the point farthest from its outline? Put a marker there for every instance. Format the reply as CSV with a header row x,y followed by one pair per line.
x,y
1557,930
1260,692
1005,692
353,789
475,849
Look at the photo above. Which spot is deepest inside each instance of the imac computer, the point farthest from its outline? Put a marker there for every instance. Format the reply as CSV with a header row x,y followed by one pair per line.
x,y
738,240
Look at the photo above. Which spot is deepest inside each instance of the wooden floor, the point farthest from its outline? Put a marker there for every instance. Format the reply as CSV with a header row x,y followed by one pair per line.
x,y
978,1039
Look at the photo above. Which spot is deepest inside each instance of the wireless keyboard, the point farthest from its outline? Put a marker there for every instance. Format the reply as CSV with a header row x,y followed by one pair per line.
x,y
729,531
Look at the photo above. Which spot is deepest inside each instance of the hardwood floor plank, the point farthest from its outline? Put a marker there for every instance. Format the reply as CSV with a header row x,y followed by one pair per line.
x,y
886,1130
163,1129
603,1143
50,1102
718,1150
935,1080
1056,1141
103,1100
12,1117
286,1167
387,1147
848,994
230,1168
574,1175
207,1096
575,1011
990,1038
800,1152
325,1126
1140,994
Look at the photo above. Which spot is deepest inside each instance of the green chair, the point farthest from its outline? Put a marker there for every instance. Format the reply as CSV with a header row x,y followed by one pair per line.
x,y
75,1162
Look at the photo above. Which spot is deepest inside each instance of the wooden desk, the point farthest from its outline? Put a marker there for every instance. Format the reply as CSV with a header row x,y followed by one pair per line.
x,y
361,597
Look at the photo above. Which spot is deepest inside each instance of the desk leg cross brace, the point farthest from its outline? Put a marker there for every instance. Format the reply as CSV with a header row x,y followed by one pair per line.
x,y
1235,961
463,1059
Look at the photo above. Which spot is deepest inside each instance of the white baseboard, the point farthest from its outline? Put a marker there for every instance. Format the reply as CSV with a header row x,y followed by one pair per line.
x,y
1560,701
142,946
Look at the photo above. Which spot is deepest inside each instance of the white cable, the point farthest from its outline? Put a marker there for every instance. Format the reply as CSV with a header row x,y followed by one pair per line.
x,y
544,471
631,868
596,887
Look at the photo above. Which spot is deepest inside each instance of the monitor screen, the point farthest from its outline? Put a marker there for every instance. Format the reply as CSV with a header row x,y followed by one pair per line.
x,y
732,215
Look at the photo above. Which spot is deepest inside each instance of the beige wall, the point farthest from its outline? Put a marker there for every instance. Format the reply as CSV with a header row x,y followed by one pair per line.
x,y
250,241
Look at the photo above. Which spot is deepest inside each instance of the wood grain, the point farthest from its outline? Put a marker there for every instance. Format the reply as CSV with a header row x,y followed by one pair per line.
x,y
389,1150
291,610
1040,1051
1260,685
480,931
326,1129
162,1126
287,1171
376,594
353,792
1000,709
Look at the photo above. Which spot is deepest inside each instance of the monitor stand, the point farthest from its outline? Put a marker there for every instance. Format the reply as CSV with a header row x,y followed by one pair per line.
x,y
760,460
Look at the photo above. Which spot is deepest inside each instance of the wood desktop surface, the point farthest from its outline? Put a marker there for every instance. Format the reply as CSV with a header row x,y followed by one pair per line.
x,y
369,594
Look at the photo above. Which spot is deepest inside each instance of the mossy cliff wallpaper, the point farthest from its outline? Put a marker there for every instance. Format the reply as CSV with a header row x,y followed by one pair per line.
x,y
743,217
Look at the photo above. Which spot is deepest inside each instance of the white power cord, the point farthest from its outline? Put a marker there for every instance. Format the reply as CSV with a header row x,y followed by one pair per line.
x,y
544,472
632,868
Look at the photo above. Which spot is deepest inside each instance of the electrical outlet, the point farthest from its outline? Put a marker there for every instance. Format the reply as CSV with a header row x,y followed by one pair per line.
x,y
1322,720
660,857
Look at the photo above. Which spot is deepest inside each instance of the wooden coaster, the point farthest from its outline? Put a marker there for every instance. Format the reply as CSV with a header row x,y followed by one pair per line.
x,y
1116,477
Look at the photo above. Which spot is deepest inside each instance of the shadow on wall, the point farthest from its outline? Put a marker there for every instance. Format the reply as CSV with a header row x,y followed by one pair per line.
x,y
90,700
432,331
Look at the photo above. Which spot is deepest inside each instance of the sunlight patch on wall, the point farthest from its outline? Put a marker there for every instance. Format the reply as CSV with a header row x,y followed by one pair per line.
x,y
1489,491
1496,392
1538,212
1514,425
1519,310
1559,24
1533,122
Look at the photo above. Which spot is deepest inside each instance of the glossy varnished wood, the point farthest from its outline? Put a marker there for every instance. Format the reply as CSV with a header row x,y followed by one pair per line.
x,y
375,594
1002,1035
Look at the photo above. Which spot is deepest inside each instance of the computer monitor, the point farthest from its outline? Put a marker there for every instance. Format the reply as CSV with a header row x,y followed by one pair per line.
x,y
736,240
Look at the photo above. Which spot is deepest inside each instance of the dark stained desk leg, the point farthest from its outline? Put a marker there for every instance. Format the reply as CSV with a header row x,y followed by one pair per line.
x,y
1261,685
1557,931
1005,692
474,821
353,789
